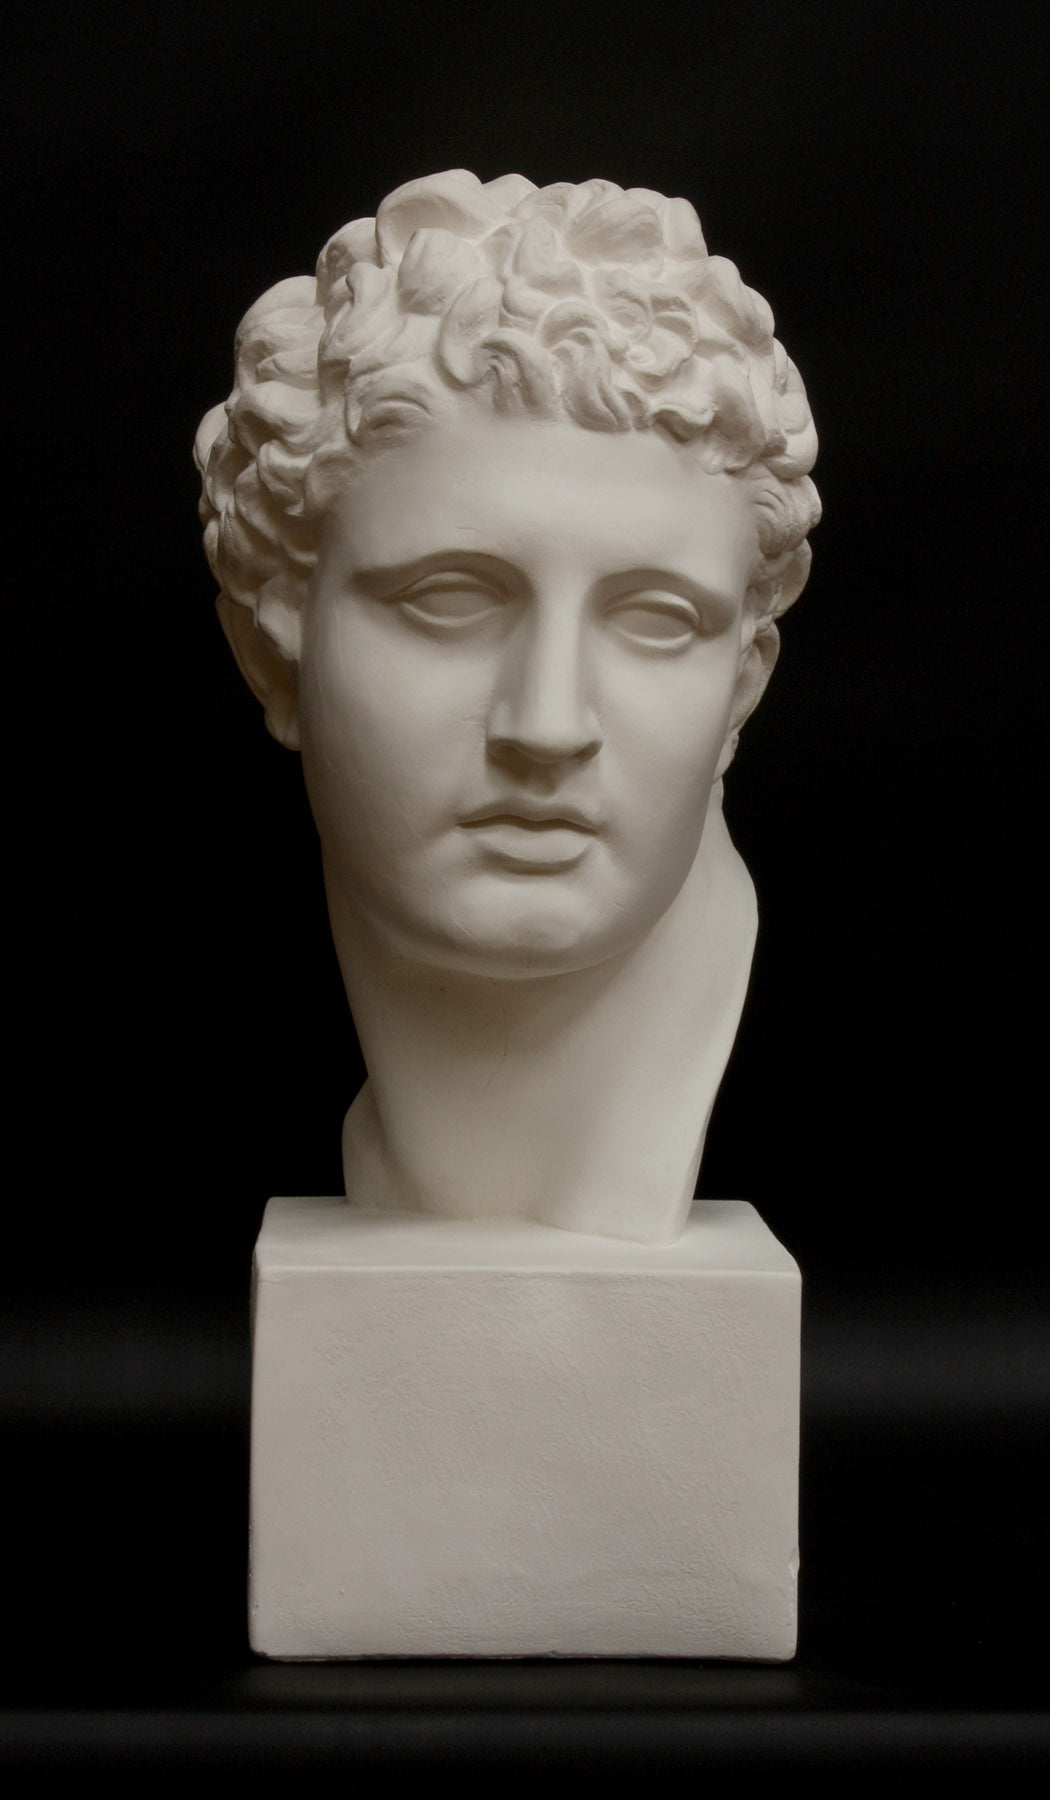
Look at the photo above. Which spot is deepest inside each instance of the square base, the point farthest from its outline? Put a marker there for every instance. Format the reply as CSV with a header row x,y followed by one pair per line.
x,y
498,1439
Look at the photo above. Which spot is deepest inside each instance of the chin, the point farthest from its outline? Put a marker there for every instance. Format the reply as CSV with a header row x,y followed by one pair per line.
x,y
545,940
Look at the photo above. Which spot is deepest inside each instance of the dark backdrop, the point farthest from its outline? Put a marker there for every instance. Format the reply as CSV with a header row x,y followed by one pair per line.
x,y
180,1044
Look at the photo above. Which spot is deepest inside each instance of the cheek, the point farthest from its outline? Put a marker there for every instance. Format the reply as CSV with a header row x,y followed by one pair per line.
x,y
710,707
347,710
342,747
667,741
383,703
380,766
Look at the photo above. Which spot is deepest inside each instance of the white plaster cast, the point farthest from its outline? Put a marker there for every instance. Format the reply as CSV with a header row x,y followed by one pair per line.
x,y
504,506
490,1438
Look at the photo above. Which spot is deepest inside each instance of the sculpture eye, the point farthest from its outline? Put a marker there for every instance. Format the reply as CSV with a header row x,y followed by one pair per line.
x,y
450,601
656,621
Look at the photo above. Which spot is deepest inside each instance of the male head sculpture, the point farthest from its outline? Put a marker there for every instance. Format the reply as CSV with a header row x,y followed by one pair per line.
x,y
504,506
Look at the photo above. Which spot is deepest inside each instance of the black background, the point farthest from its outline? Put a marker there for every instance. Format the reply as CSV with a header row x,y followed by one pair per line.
x,y
180,1045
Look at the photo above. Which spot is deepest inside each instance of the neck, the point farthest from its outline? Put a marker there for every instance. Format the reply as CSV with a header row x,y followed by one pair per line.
x,y
578,1100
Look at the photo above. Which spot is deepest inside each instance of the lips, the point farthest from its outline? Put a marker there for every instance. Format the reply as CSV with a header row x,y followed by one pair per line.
x,y
531,815
529,836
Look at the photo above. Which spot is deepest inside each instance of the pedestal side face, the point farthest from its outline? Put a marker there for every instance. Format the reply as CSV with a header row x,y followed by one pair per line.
x,y
533,1451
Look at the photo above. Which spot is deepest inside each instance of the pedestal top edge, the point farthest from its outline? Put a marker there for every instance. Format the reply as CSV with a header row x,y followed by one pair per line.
x,y
326,1232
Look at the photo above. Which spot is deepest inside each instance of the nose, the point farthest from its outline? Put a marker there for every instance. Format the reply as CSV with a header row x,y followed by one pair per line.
x,y
541,709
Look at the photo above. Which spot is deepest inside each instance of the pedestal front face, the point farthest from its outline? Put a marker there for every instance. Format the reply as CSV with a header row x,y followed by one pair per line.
x,y
500,1439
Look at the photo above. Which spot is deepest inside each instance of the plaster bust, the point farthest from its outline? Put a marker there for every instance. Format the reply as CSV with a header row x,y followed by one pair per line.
x,y
504,507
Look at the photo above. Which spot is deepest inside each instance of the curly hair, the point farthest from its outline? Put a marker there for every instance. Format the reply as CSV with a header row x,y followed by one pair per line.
x,y
588,303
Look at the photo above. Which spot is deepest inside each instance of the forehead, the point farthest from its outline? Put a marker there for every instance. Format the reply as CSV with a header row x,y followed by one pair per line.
x,y
539,493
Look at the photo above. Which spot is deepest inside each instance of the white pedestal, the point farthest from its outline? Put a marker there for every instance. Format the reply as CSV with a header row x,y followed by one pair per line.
x,y
500,1439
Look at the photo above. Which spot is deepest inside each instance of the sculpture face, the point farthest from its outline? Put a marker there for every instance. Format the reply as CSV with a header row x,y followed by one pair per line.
x,y
520,652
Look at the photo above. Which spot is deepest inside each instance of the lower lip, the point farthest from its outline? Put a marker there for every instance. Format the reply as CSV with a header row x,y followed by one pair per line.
x,y
527,846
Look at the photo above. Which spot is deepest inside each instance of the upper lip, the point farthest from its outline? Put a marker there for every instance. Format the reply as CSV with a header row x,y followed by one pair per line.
x,y
522,810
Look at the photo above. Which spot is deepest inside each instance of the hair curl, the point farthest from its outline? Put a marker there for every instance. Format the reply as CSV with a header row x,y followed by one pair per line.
x,y
587,302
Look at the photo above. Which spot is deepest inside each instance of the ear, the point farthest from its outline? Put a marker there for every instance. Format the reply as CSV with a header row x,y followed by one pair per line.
x,y
757,663
267,647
